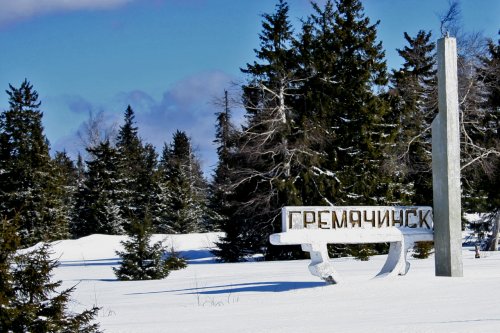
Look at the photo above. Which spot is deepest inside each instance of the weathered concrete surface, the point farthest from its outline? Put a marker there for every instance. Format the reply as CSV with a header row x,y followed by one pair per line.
x,y
446,165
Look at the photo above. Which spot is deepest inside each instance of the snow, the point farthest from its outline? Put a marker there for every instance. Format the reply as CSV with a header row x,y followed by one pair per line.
x,y
278,296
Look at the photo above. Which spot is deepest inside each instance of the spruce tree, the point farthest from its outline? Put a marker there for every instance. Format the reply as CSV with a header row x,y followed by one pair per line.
x,y
219,188
99,198
183,198
27,182
347,73
414,107
29,299
137,163
142,260
487,136
266,159
230,247
66,185
351,70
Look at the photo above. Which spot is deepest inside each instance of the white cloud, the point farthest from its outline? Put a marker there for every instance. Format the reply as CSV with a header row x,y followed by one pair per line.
x,y
186,106
14,10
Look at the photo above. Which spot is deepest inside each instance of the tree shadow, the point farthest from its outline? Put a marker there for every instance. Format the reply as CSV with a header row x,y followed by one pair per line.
x,y
93,262
263,287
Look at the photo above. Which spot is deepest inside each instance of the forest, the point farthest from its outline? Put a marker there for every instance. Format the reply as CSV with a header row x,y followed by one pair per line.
x,y
326,123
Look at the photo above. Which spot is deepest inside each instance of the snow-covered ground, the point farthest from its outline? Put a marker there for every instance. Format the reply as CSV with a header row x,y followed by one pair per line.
x,y
278,296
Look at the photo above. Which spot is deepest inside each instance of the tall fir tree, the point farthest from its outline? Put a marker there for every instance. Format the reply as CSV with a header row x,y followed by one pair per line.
x,y
183,198
351,69
219,188
414,104
27,182
67,180
346,78
486,134
137,163
99,198
268,149
221,192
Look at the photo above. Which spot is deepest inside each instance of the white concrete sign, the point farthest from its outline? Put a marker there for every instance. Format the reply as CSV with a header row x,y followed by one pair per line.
x,y
353,217
315,227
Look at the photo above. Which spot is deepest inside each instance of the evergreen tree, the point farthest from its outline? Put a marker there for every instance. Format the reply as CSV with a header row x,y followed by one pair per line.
x,y
229,247
137,163
414,107
183,188
27,183
220,186
346,76
140,259
66,176
351,68
29,300
486,134
266,160
99,198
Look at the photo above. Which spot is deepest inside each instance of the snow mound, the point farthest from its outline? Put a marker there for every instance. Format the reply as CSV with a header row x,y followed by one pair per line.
x,y
193,247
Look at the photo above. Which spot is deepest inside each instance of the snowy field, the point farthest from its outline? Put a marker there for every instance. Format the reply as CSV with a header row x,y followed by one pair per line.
x,y
278,296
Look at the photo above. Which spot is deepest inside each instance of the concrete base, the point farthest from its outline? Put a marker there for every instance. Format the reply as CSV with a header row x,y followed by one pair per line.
x,y
315,242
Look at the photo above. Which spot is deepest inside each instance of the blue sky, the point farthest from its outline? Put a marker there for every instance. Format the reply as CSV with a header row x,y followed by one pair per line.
x,y
168,59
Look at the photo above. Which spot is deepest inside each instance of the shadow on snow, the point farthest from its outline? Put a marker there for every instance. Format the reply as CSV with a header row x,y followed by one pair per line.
x,y
265,287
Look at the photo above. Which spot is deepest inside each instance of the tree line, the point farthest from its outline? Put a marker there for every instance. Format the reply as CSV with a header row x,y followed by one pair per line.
x,y
121,180
326,123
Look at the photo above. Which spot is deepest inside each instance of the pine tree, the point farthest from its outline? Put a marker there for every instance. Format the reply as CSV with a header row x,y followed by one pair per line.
x,y
183,188
29,299
269,150
229,247
99,198
27,183
347,73
137,163
414,108
487,136
219,188
66,185
140,259
353,113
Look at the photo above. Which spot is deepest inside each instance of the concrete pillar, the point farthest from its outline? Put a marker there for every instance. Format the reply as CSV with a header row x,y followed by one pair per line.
x,y
446,165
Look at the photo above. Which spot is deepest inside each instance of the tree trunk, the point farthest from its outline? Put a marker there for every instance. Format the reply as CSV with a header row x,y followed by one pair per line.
x,y
493,245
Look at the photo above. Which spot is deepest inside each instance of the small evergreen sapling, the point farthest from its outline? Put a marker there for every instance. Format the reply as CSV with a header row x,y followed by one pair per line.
x,y
140,259
423,250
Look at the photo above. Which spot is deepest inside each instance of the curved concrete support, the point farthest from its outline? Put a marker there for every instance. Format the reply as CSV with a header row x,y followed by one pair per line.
x,y
321,265
396,263
315,242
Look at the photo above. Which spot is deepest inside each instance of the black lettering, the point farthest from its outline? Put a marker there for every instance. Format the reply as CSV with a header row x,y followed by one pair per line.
x,y
383,220
353,220
400,221
423,219
407,218
322,223
372,219
307,221
335,220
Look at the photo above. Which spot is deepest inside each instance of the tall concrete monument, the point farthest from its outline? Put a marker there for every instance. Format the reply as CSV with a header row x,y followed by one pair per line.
x,y
446,165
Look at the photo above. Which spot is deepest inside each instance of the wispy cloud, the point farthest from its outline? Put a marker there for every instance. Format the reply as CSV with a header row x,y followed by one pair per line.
x,y
187,106
15,10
